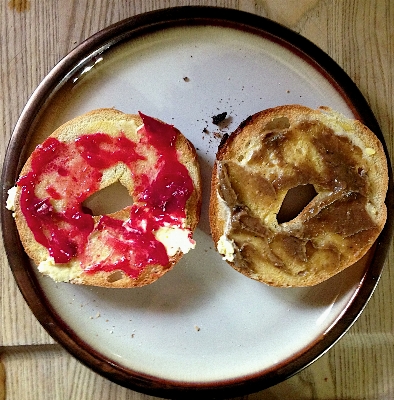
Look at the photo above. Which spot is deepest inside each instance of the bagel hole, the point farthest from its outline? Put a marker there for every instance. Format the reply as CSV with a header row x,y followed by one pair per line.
x,y
295,201
114,277
278,123
111,199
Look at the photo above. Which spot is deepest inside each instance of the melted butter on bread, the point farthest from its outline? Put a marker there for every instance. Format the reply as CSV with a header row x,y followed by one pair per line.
x,y
59,272
226,248
11,198
175,240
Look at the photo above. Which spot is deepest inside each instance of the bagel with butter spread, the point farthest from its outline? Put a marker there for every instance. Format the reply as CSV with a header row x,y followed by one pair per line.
x,y
287,147
130,247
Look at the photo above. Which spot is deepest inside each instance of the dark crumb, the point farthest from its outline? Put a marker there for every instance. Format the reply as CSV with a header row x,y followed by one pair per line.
x,y
217,119
186,79
205,130
217,135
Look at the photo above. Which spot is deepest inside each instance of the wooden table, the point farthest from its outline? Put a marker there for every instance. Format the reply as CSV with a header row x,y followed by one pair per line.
x,y
358,34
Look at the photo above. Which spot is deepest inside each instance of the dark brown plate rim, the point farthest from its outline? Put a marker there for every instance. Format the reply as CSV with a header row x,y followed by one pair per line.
x,y
15,157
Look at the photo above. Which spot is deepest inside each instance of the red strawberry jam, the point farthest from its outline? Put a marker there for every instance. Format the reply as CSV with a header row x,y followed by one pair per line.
x,y
71,172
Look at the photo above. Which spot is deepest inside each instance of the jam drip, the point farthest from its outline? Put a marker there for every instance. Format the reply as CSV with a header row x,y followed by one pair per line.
x,y
68,173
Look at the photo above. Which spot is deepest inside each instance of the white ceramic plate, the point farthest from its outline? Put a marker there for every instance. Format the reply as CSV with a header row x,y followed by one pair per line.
x,y
202,327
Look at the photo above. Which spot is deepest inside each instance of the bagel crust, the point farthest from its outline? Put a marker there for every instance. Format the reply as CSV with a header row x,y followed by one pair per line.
x,y
131,247
287,147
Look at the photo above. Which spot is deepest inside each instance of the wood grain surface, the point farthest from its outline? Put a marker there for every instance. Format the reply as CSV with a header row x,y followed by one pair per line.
x,y
357,34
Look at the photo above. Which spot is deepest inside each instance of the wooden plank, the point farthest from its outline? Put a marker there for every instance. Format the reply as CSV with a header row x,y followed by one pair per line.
x,y
63,377
357,34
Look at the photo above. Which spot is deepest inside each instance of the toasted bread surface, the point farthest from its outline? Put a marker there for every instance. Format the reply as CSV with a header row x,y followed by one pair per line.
x,y
287,147
108,133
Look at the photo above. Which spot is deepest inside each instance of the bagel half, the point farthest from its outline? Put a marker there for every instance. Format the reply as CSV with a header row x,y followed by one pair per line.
x,y
85,155
276,150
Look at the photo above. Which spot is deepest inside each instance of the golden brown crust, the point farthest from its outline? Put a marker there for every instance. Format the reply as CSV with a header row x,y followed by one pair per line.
x,y
274,240
111,121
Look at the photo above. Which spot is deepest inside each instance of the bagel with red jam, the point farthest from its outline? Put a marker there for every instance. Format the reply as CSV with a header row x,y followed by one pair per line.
x,y
287,147
131,247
